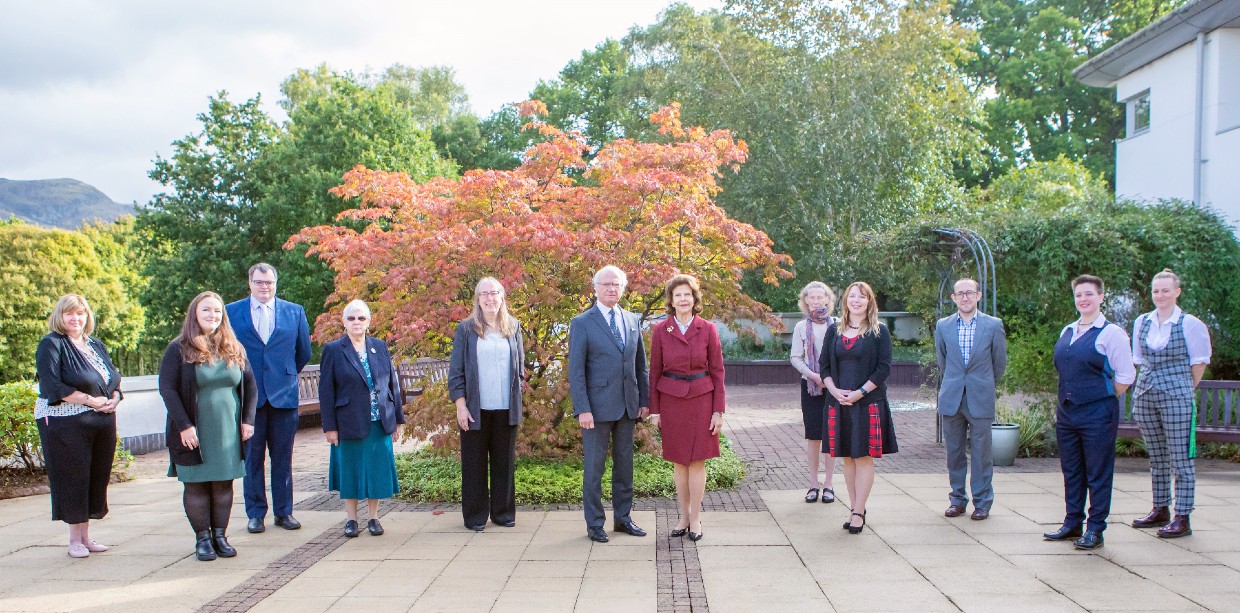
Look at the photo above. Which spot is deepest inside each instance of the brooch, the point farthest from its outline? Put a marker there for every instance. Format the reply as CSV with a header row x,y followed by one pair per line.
x,y
669,328
372,350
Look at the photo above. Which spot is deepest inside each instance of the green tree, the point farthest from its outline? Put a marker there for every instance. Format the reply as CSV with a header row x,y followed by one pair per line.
x,y
119,247
37,267
1025,52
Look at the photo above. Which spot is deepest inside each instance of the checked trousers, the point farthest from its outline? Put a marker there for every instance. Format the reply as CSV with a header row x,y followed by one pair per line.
x,y
1166,425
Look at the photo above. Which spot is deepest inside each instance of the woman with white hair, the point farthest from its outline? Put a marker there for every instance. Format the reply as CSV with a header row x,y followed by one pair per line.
x,y
815,301
360,402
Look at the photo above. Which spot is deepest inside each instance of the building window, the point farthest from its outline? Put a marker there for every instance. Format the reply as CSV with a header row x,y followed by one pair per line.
x,y
1137,109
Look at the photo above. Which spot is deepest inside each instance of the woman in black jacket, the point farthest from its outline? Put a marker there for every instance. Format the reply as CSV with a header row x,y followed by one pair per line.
x,y
855,362
209,390
361,405
484,380
79,389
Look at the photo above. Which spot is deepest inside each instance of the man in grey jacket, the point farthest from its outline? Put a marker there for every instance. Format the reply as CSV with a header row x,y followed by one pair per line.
x,y
610,385
971,348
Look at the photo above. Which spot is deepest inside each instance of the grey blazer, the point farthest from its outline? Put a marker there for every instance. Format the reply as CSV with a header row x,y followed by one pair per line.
x,y
975,383
603,380
463,373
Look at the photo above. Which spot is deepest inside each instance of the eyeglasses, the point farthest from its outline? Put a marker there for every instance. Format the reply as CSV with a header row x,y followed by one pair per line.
x,y
967,294
356,318
490,294
612,285
262,283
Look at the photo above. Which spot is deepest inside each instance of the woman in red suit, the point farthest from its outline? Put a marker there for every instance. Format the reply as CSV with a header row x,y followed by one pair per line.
x,y
686,395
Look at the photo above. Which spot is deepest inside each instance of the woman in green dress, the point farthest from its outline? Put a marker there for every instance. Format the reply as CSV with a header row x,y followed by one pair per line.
x,y
209,391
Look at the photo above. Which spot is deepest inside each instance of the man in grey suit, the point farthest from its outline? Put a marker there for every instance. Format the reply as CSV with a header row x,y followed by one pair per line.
x,y
610,386
972,353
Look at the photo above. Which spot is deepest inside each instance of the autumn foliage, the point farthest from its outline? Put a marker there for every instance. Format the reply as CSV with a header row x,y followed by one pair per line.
x,y
415,251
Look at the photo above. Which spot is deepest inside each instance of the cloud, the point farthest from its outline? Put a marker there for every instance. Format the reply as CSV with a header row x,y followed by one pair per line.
x,y
94,90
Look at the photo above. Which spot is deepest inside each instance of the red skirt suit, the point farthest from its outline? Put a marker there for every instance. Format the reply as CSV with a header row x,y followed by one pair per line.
x,y
685,406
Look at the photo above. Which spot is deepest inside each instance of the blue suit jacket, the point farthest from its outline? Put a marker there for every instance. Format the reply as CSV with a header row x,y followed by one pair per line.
x,y
344,398
277,362
603,380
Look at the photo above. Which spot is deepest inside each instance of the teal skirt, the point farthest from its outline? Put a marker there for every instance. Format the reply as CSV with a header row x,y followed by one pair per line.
x,y
364,468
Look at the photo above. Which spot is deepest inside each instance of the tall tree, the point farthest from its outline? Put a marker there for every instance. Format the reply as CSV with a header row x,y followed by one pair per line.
x,y
1025,52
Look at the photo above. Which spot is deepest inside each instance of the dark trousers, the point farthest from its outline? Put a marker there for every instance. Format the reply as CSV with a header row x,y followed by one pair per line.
x,y
619,434
489,450
1086,436
274,431
77,455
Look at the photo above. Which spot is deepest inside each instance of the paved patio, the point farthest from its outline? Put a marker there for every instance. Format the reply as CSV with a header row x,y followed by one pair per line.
x,y
764,548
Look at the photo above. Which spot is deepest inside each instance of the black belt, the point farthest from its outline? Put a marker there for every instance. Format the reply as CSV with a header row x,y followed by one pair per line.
x,y
693,377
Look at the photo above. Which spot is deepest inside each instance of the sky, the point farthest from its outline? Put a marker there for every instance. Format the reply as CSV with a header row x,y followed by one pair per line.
x,y
94,90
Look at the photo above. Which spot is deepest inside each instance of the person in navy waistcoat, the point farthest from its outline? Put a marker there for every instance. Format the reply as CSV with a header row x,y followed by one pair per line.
x,y
1094,363
276,337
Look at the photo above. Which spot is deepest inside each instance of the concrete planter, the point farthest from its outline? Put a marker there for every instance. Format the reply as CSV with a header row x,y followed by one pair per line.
x,y
1005,443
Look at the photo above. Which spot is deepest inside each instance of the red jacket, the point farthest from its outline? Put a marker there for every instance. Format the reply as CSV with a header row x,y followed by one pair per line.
x,y
697,350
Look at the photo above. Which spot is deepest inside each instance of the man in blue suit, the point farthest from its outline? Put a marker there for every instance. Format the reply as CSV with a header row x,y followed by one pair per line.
x,y
276,338
610,385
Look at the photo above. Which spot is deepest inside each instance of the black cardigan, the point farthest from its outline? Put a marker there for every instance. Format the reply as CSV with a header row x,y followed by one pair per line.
x,y
62,369
178,384
875,356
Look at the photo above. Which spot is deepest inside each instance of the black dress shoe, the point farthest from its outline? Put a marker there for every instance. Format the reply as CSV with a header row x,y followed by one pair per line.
x,y
255,525
628,527
597,534
478,528
204,550
1091,540
507,523
222,546
1064,533
374,527
287,522
955,510
696,536
679,532
350,528
1156,518
979,514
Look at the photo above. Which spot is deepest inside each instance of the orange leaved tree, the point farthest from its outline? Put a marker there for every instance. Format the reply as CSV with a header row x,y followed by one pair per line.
x,y
414,252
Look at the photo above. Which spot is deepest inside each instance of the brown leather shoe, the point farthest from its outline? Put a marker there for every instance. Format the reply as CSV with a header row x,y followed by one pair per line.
x,y
1177,528
1157,518
979,514
956,510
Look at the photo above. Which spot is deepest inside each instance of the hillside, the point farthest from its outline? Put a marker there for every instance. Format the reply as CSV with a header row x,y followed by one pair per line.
x,y
62,203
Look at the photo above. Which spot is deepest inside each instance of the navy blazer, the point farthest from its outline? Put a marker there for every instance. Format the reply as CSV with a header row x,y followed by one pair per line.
x,y
178,386
603,380
344,397
277,362
463,373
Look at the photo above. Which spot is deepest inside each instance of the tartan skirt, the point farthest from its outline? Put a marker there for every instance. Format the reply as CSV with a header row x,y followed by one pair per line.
x,y
860,430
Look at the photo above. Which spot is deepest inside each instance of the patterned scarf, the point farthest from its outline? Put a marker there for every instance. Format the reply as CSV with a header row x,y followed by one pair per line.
x,y
816,316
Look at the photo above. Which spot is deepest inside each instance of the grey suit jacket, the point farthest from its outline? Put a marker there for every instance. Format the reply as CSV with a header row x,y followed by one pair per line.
x,y
975,384
603,380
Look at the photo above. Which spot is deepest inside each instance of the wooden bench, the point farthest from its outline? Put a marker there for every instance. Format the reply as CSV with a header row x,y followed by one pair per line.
x,y
414,377
1217,413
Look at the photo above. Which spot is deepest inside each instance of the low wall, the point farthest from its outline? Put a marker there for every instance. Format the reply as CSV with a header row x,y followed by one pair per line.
x,y
141,417
904,326
780,372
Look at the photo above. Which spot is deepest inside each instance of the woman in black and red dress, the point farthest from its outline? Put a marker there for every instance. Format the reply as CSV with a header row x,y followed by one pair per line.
x,y
855,362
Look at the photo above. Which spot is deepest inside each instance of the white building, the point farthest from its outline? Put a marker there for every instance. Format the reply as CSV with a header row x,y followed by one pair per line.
x,y
1179,80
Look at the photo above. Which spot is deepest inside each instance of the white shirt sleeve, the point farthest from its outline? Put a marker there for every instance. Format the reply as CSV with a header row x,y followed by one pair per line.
x,y
797,353
1138,356
1114,344
1197,335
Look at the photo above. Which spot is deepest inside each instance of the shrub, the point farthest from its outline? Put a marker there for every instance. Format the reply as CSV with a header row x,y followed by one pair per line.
x,y
1130,447
19,437
429,476
1219,451
1037,426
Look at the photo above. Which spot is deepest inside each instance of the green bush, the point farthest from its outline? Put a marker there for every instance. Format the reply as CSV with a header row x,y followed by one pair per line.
x,y
749,346
1130,447
19,437
427,477
1219,451
1037,426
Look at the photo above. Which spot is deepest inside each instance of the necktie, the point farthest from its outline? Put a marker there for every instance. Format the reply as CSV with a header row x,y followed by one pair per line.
x,y
616,331
264,323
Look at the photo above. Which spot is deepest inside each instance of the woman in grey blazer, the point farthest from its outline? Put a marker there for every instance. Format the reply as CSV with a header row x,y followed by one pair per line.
x,y
484,380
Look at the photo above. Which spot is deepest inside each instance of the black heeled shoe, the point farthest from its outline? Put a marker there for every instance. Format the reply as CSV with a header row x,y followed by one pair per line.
x,y
855,529
222,547
679,532
205,549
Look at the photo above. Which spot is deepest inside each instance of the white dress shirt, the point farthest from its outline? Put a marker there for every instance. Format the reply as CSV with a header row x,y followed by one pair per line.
x,y
1113,343
1196,336
619,319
